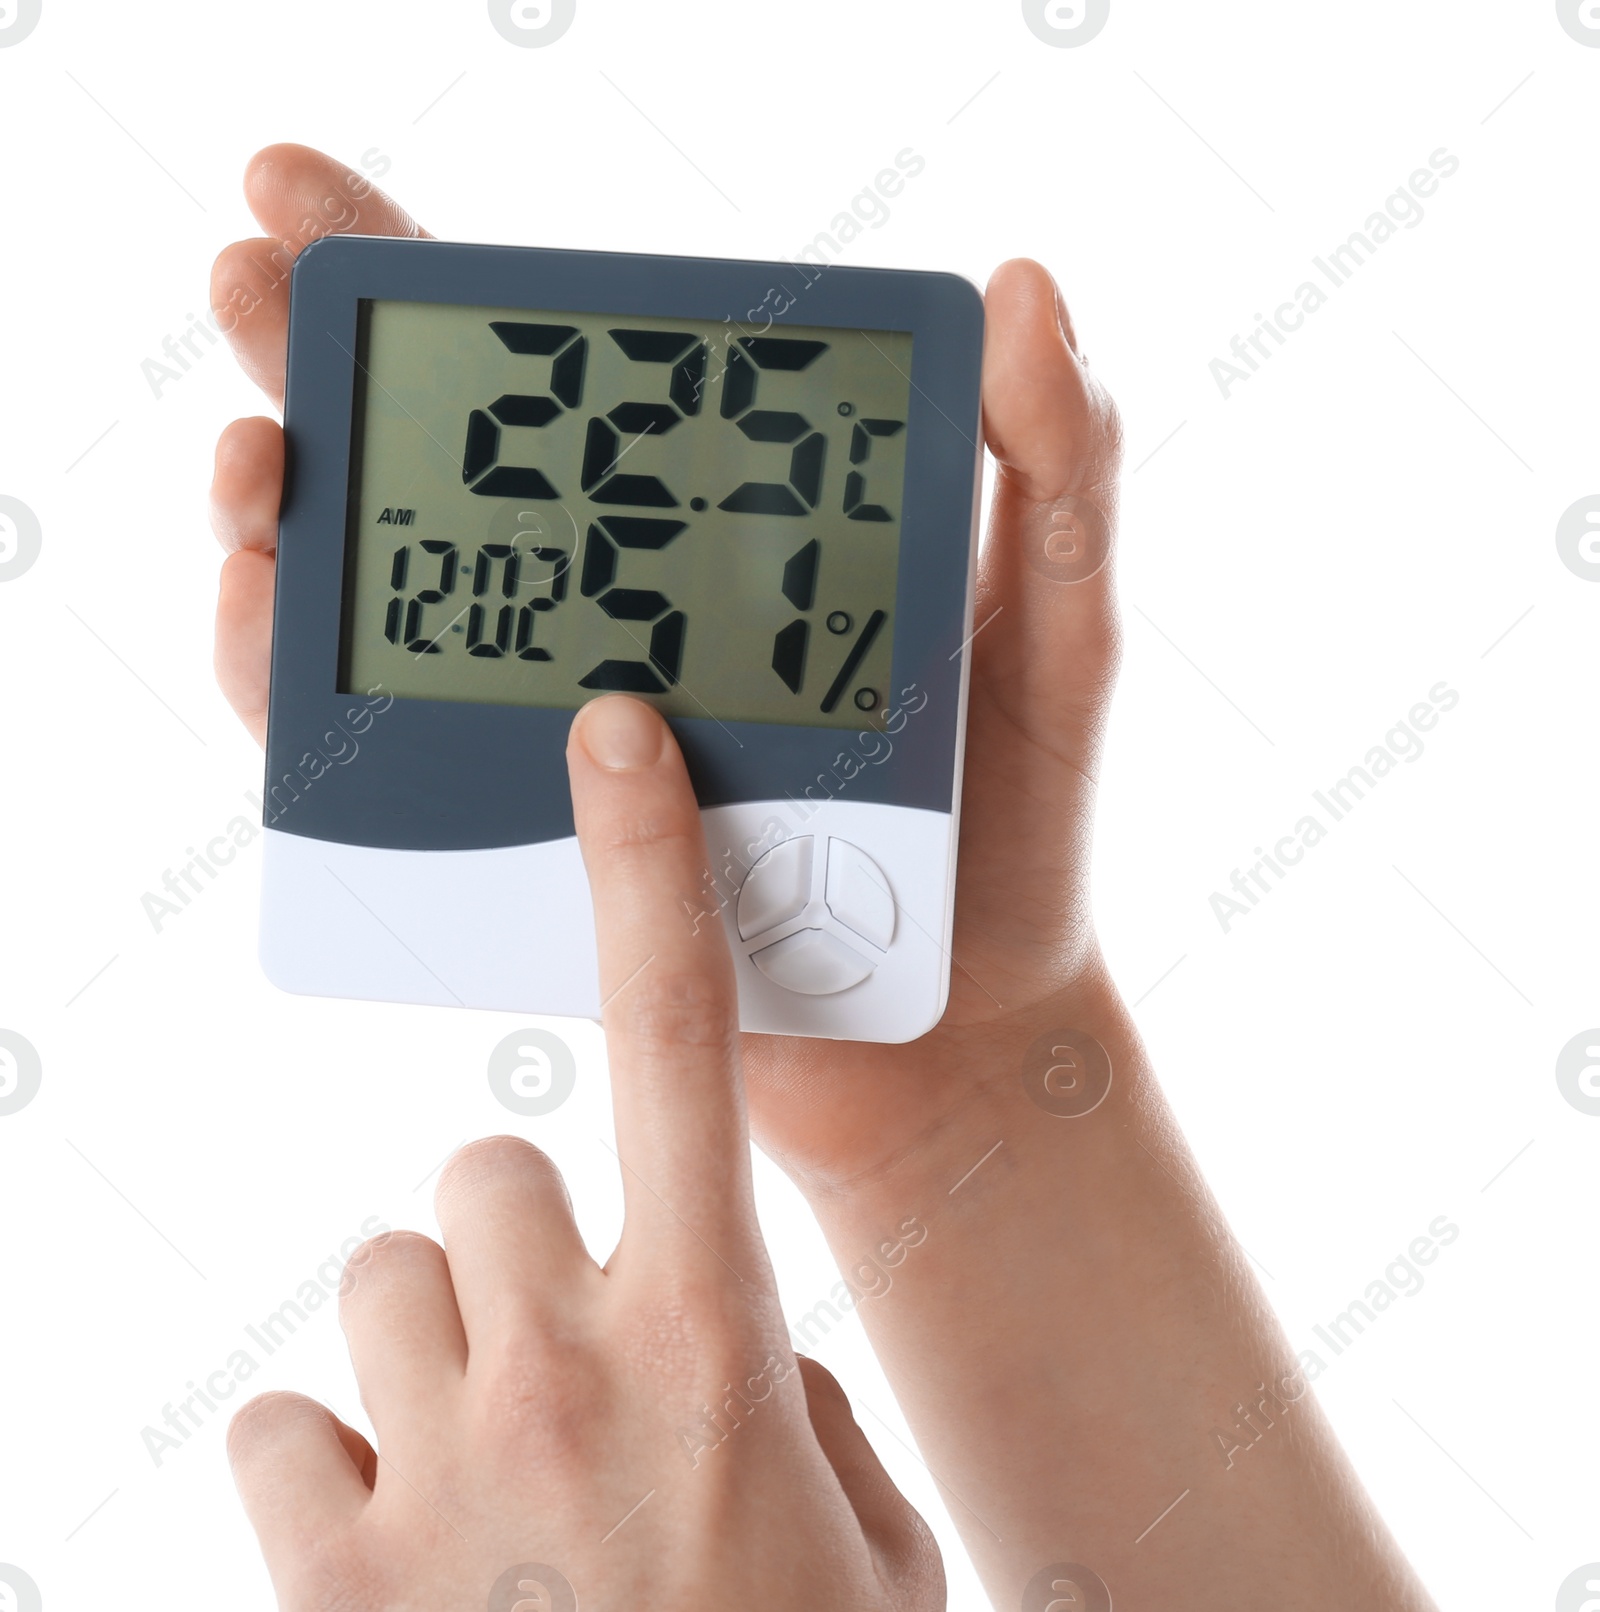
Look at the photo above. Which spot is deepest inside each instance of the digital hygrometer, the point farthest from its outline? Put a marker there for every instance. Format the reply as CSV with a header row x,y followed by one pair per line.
x,y
518,478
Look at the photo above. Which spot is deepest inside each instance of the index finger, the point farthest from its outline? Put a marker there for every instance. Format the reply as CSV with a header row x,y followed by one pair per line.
x,y
670,1004
297,195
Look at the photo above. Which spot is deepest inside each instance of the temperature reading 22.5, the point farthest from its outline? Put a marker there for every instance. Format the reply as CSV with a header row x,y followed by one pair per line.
x,y
712,521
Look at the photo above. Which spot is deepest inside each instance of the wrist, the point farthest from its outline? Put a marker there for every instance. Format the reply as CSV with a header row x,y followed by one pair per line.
x,y
975,1085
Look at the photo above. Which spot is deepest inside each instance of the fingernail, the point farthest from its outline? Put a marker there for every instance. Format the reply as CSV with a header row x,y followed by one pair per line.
x,y
620,733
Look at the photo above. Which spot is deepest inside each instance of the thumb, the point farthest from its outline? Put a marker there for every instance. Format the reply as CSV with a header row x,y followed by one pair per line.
x,y
1056,436
902,1544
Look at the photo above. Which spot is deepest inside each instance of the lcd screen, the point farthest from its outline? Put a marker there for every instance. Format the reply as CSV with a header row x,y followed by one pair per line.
x,y
545,506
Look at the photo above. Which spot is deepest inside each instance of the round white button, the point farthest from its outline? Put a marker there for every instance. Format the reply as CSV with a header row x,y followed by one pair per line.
x,y
819,915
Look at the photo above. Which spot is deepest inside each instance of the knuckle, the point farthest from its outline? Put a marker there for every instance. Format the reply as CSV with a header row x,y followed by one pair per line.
x,y
491,1159
545,1400
672,1007
1110,417
262,1421
1100,640
225,265
652,829
672,1325
688,1327
1111,649
914,1549
387,1258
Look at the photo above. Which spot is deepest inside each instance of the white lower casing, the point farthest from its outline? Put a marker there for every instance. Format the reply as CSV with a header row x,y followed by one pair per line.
x,y
512,929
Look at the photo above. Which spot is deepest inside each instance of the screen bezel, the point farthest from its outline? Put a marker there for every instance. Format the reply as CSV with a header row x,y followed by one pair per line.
x,y
449,774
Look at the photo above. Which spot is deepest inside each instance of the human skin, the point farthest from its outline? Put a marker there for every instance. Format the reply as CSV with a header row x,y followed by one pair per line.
x,y
1079,1323
642,1428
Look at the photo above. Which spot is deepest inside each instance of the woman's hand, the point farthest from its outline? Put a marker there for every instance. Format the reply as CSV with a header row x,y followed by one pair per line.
x,y
1044,657
639,1434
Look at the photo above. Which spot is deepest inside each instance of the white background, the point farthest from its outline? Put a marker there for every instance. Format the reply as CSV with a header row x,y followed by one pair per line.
x,y
1374,512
